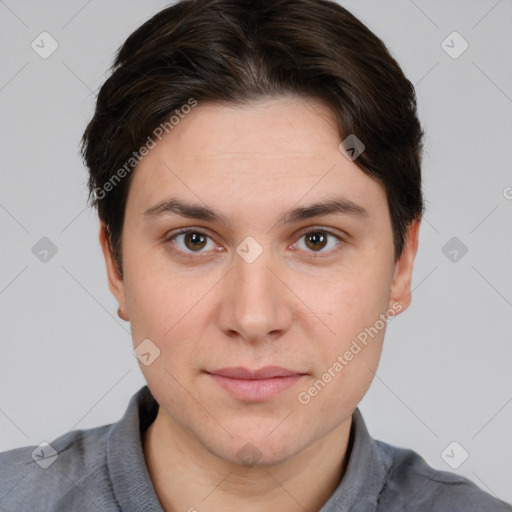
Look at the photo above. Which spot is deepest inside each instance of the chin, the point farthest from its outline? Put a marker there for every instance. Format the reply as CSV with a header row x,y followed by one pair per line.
x,y
259,448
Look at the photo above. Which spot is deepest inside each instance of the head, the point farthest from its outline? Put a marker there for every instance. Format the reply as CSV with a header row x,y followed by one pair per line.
x,y
226,118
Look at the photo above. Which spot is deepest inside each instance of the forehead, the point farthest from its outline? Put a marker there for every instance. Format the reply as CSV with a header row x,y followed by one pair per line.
x,y
268,128
269,151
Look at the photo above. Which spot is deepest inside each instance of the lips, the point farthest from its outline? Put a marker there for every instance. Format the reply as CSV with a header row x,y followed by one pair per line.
x,y
255,385
269,372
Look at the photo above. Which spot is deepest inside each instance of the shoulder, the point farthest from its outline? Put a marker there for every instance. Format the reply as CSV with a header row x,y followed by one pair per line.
x,y
65,474
411,484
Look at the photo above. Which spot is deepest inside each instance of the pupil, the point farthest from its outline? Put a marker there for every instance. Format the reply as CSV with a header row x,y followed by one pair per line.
x,y
196,239
317,240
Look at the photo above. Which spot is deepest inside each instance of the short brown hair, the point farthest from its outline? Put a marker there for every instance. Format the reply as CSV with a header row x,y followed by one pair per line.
x,y
235,51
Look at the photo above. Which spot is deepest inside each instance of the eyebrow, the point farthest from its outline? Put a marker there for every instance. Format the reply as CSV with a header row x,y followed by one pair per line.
x,y
340,206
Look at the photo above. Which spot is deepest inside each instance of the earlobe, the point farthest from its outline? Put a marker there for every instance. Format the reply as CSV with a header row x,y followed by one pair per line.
x,y
115,280
401,286
122,314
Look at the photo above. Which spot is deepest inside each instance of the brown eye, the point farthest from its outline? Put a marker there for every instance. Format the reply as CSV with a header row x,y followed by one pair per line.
x,y
316,240
191,241
194,241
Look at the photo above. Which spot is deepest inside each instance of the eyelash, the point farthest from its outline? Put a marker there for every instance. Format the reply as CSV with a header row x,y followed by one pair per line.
x,y
192,254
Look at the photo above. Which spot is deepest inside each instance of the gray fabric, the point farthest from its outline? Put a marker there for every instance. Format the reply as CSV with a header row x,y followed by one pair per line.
x,y
103,469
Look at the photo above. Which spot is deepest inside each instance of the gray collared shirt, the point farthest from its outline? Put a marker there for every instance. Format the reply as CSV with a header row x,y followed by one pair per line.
x,y
103,469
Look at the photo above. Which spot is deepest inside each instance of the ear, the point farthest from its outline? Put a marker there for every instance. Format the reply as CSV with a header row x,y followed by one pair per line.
x,y
115,281
401,286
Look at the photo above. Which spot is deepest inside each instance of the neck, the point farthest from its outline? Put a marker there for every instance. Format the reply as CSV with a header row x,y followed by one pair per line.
x,y
187,476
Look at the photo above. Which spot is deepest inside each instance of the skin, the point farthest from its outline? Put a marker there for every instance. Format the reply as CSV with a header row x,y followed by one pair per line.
x,y
299,305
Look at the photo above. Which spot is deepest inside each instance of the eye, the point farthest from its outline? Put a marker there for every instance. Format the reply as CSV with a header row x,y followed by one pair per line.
x,y
316,240
193,241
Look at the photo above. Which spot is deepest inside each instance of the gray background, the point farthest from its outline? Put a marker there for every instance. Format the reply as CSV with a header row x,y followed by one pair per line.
x,y
66,358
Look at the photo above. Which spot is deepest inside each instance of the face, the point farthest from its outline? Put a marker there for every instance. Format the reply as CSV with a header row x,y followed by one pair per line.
x,y
265,308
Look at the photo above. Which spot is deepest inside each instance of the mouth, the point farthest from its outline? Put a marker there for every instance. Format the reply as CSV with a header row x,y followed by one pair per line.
x,y
255,385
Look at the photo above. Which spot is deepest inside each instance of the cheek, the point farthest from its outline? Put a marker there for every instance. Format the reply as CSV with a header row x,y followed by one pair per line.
x,y
350,302
345,363
355,309
171,307
154,296
160,307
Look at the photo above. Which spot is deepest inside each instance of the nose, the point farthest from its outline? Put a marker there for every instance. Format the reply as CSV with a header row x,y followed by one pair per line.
x,y
255,304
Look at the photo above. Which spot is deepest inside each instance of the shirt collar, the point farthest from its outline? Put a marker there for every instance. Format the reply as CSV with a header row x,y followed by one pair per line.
x,y
358,490
129,474
365,475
